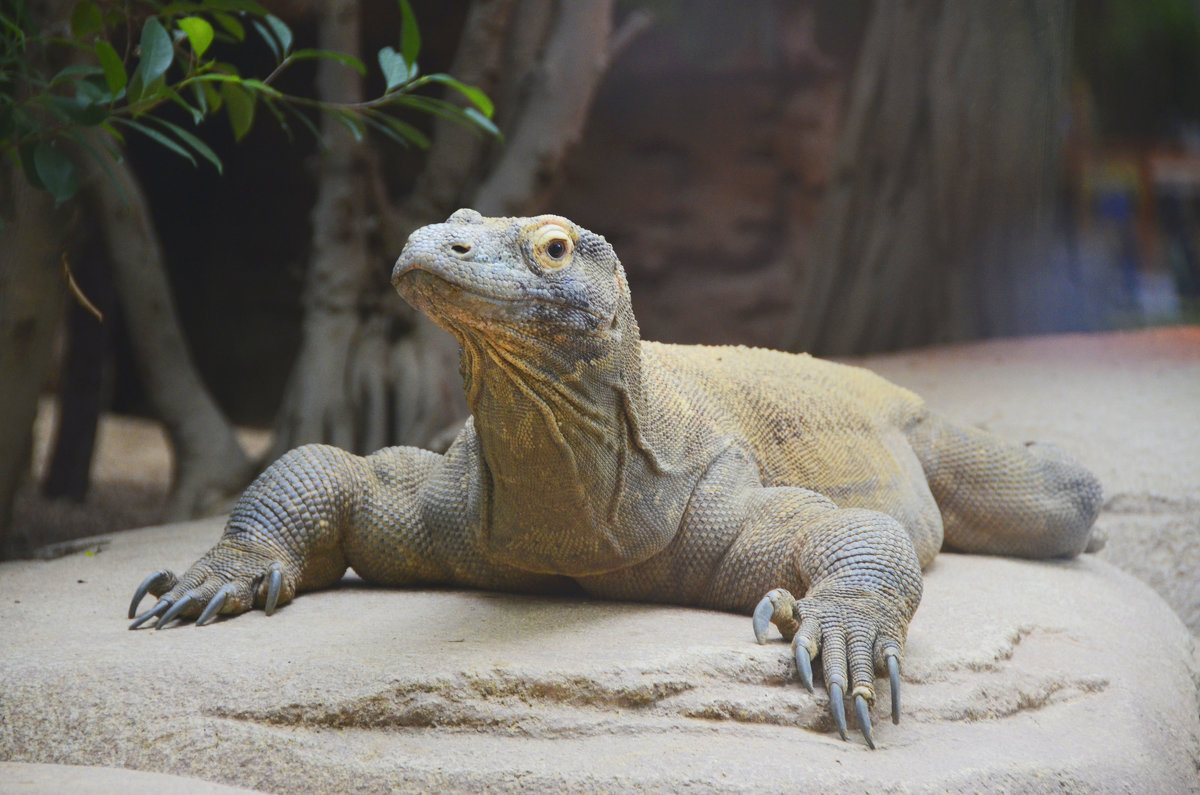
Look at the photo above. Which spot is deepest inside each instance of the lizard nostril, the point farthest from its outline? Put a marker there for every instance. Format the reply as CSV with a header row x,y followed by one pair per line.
x,y
461,248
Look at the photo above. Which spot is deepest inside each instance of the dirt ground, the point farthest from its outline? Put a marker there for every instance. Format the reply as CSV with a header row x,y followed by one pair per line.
x,y
131,475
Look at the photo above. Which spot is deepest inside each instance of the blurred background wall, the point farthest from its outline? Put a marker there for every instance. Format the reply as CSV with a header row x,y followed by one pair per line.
x,y
705,160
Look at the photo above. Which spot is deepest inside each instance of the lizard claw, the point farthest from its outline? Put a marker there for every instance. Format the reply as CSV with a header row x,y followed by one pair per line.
x,y
175,610
218,583
162,581
762,619
893,665
778,607
837,706
862,710
161,606
274,583
804,665
214,606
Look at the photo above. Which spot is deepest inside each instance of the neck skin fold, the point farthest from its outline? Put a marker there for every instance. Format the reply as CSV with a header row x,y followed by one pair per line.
x,y
569,447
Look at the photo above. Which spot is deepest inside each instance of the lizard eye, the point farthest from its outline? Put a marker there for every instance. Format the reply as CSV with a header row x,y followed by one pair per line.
x,y
552,245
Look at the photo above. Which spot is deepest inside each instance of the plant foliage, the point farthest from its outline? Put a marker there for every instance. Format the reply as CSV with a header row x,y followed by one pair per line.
x,y
124,61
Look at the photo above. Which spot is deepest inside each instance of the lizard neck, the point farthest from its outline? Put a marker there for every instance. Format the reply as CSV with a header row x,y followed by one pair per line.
x,y
570,449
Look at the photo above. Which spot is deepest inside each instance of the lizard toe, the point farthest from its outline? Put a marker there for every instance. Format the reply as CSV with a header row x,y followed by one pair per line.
x,y
160,607
778,607
856,635
893,666
863,711
174,610
157,583
220,583
837,707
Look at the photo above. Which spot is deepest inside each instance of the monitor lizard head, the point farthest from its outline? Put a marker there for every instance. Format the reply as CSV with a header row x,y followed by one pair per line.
x,y
542,278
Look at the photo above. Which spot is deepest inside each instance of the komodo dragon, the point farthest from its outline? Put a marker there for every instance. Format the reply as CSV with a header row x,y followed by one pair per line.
x,y
689,475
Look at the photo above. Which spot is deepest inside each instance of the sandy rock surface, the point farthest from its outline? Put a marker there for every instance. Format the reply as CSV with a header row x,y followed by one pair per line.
x,y
1019,676
1015,676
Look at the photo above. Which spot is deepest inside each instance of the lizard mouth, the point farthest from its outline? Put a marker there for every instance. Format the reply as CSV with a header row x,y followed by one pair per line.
x,y
440,295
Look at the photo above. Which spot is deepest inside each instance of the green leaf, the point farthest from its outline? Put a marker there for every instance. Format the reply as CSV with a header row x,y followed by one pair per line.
x,y
114,69
191,140
211,96
399,131
351,121
173,95
410,34
395,68
86,19
340,57
157,52
259,85
299,114
14,30
138,92
269,39
280,119
238,6
231,25
83,109
240,104
75,71
56,171
159,138
115,133
113,156
434,107
199,33
282,32
25,153
387,131
483,121
473,94
201,98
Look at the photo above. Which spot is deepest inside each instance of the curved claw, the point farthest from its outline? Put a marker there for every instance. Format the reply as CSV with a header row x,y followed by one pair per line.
x,y
804,666
837,706
274,583
144,588
175,610
864,719
893,665
762,619
214,606
159,607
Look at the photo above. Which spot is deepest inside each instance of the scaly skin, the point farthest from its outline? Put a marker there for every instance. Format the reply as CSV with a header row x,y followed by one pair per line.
x,y
689,475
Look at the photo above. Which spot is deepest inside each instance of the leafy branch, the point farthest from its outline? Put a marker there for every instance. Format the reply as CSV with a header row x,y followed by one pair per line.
x,y
111,82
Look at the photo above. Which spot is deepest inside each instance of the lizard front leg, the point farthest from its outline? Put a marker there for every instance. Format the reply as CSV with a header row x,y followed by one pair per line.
x,y
295,529
860,582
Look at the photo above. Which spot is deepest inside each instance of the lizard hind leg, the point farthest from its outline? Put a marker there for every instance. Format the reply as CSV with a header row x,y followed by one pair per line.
x,y
1003,498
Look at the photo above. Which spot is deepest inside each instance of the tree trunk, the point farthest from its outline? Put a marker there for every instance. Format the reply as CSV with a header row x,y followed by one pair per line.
x,y
938,220
370,371
83,376
319,402
31,302
559,100
209,463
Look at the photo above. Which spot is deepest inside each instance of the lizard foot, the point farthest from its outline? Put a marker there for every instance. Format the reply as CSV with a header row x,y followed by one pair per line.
x,y
854,631
226,581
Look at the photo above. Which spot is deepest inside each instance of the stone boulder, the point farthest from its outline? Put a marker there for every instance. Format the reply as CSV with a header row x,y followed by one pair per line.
x,y
1019,676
